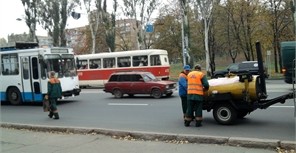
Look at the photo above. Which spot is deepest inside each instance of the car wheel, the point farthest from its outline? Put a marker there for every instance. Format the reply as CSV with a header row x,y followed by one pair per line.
x,y
224,114
14,96
156,93
117,93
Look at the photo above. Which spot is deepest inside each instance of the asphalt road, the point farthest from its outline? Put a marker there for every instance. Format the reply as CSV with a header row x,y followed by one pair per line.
x,y
94,108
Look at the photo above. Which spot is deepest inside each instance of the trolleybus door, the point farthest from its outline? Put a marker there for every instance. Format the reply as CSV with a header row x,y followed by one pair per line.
x,y
30,79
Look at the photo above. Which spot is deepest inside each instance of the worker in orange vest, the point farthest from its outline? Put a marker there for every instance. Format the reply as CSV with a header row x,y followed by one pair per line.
x,y
182,84
197,85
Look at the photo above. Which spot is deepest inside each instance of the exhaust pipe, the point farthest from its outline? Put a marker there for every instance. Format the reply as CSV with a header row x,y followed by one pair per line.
x,y
262,83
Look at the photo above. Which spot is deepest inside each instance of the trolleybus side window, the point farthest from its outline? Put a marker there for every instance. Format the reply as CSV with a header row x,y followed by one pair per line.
x,y
124,61
10,64
155,60
109,62
35,68
95,64
25,63
140,60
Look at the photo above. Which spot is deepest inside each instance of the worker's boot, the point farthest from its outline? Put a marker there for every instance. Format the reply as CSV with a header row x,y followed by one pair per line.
x,y
198,123
50,114
187,123
56,116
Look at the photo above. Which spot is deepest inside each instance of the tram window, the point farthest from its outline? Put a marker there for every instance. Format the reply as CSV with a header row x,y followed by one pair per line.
x,y
140,60
124,61
109,62
155,60
83,64
95,64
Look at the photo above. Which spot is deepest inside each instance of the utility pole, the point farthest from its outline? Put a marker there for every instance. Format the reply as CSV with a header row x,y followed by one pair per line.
x,y
184,24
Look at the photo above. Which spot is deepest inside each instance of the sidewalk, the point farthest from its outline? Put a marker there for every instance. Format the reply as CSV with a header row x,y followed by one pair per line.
x,y
26,141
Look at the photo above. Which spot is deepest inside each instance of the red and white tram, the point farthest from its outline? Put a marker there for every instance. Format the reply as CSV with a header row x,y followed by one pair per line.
x,y
95,69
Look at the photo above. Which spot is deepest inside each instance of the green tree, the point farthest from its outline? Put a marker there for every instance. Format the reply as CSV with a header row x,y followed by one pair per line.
x,y
95,17
53,18
280,19
205,7
145,8
110,23
31,17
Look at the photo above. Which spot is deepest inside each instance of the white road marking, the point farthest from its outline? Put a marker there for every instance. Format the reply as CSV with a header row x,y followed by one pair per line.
x,y
126,104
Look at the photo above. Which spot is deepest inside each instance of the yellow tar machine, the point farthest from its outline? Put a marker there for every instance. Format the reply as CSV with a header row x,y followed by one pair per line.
x,y
235,96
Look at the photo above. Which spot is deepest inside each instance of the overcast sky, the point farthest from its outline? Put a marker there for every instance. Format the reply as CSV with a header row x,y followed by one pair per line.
x,y
10,10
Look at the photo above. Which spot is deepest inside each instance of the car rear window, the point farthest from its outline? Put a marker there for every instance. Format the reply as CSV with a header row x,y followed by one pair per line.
x,y
125,77
136,78
113,78
248,65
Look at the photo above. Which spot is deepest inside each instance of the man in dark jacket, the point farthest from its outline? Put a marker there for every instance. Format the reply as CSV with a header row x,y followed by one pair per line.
x,y
182,82
54,91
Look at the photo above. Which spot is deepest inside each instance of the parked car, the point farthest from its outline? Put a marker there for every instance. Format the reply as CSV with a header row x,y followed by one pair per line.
x,y
241,67
132,83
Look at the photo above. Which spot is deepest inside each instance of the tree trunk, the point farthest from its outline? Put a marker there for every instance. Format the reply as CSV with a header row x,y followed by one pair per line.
x,y
206,40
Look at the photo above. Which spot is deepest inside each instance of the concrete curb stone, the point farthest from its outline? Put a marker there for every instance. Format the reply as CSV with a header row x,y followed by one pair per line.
x,y
151,136
288,145
253,142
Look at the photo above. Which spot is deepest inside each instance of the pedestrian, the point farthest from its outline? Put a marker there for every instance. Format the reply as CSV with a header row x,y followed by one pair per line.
x,y
182,82
54,91
197,85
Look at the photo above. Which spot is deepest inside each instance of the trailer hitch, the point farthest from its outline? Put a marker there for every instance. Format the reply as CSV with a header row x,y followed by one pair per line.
x,y
263,104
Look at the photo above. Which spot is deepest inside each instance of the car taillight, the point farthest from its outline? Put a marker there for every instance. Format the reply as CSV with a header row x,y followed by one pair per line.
x,y
284,70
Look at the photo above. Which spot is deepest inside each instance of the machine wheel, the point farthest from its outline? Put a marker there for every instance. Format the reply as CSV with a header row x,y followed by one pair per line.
x,y
225,114
117,93
242,113
156,93
14,96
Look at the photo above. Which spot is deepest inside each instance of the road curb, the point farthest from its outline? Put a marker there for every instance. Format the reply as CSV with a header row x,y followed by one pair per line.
x,y
166,137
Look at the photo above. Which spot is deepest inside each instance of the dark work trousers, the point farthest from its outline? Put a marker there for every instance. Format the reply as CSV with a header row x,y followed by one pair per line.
x,y
184,104
194,108
53,104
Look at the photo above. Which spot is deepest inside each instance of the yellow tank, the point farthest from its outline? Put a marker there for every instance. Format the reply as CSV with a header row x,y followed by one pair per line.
x,y
237,88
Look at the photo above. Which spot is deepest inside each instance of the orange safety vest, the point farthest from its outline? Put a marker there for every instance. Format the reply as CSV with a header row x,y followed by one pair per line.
x,y
194,83
54,80
183,75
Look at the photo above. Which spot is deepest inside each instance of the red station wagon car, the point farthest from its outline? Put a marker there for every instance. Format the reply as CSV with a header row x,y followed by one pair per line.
x,y
132,83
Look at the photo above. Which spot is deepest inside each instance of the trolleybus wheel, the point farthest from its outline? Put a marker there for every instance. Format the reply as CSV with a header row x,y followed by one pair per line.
x,y
117,93
14,96
225,114
156,93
